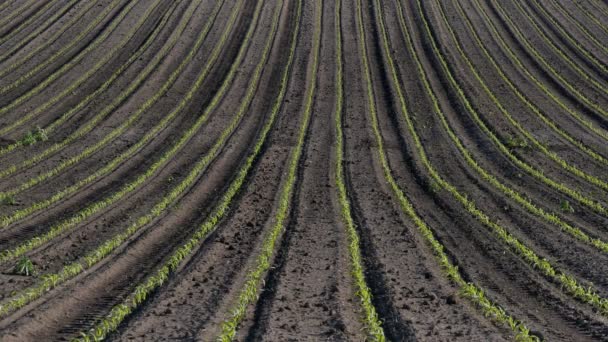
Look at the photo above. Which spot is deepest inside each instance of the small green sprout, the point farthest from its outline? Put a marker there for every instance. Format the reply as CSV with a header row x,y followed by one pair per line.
x,y
24,267
566,207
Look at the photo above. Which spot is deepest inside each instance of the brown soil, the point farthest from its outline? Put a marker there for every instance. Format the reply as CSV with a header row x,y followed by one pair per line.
x,y
308,292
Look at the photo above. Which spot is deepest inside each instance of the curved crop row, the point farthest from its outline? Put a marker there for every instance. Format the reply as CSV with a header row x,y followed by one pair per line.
x,y
115,51
371,320
576,93
73,62
600,7
250,290
26,22
538,174
552,155
577,23
47,61
128,188
513,57
567,283
24,7
38,30
159,208
590,15
87,152
522,200
533,108
48,42
48,130
120,99
140,294
571,40
4,5
503,110
468,290
116,132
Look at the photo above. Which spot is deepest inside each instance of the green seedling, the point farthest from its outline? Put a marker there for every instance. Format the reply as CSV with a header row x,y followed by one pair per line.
x,y
566,207
8,200
34,136
516,142
24,267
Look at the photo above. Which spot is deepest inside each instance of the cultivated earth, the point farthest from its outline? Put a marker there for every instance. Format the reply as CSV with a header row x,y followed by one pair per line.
x,y
303,170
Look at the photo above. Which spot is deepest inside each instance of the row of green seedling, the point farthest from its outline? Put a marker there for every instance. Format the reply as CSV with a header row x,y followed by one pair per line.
x,y
371,321
47,61
92,258
540,85
28,22
555,98
130,187
590,15
249,292
573,41
74,85
549,68
9,52
529,104
40,86
577,23
34,136
114,163
537,144
468,290
567,283
506,151
138,297
519,198
599,7
24,7
118,100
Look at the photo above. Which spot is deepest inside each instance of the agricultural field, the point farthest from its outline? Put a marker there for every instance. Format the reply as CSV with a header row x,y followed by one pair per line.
x,y
303,170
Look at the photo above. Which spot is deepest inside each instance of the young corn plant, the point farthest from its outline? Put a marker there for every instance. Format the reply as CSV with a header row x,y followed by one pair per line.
x,y
24,267
36,135
566,207
8,200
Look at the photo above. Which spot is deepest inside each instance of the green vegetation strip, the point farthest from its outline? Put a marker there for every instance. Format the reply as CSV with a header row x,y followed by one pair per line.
x,y
546,64
117,161
29,21
371,320
552,155
74,85
37,31
47,61
520,199
24,7
69,65
574,42
31,138
578,25
250,291
128,188
590,15
533,108
566,282
140,294
48,42
468,290
4,5
52,280
538,174
600,6
83,130
515,60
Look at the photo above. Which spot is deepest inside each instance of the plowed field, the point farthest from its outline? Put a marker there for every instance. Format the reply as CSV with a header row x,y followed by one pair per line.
x,y
292,170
